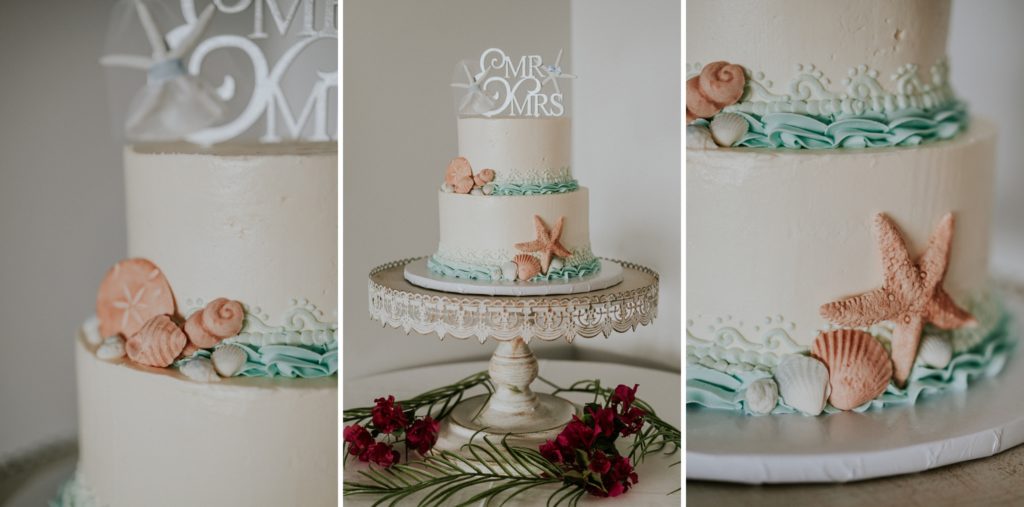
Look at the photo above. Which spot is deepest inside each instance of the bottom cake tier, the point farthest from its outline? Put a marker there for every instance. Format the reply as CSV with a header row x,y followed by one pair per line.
x,y
153,437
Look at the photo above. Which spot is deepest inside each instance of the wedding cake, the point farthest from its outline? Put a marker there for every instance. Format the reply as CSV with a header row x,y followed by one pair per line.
x,y
839,199
510,209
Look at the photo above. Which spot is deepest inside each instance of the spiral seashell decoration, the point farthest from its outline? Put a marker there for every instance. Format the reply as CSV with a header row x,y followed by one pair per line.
x,y
719,84
157,344
221,318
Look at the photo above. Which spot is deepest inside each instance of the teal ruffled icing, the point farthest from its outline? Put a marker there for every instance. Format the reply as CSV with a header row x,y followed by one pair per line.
x,y
907,127
715,389
529,189
486,273
294,361
74,493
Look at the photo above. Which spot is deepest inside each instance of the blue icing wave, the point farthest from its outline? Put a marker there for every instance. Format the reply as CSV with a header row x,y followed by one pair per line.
x,y
908,127
714,389
460,270
294,361
530,189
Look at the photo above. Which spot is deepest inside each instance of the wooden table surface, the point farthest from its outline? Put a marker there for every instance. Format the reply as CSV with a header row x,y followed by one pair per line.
x,y
994,481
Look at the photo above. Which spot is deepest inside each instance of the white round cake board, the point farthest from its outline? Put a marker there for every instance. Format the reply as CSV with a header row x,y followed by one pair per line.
x,y
985,419
418,274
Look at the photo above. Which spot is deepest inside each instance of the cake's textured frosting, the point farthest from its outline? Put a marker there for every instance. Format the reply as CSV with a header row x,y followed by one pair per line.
x,y
522,151
253,223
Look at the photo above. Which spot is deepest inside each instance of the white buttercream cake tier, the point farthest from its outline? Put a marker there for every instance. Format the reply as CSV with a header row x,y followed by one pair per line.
x,y
774,234
520,150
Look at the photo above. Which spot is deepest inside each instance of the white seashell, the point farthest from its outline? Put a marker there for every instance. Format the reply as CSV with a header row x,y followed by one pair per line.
x,y
487,189
803,383
91,330
199,369
229,359
698,137
935,351
509,271
761,396
446,188
728,128
556,263
476,191
112,348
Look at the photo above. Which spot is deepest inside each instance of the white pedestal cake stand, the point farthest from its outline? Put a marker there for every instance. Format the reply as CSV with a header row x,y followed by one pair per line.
x,y
513,410
946,428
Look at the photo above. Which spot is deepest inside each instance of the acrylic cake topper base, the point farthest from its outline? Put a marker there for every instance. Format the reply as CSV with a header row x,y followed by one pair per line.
x,y
514,409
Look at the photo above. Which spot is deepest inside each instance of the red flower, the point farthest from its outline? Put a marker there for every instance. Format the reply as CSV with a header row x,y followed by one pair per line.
x,y
382,454
576,435
552,452
604,421
624,395
617,480
358,440
388,416
599,463
422,434
631,420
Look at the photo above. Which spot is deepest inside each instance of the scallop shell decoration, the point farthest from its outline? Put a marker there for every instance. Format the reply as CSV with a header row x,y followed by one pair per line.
x,y
509,271
221,318
859,368
719,84
761,396
199,369
803,383
935,351
556,264
527,266
459,175
229,359
698,137
728,128
132,292
111,349
157,344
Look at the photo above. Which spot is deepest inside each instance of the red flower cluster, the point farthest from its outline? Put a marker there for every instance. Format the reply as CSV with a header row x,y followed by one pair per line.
x,y
586,447
388,418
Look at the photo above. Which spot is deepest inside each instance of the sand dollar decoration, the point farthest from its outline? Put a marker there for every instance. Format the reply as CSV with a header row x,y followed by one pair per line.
x,y
219,319
859,368
157,344
459,176
719,84
133,292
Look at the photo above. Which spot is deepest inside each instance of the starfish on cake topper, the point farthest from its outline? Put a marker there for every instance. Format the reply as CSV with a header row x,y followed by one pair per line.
x,y
547,242
472,86
554,73
910,296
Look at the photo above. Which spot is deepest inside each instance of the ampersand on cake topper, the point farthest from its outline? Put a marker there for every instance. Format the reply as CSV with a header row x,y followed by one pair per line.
x,y
294,80
503,86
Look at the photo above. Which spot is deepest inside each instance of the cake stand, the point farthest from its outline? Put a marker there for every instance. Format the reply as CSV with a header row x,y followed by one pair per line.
x,y
513,410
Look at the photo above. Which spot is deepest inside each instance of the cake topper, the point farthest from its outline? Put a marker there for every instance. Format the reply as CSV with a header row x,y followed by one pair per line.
x,y
289,99
503,86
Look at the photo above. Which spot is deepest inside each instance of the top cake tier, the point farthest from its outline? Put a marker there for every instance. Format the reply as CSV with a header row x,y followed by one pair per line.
x,y
876,60
527,155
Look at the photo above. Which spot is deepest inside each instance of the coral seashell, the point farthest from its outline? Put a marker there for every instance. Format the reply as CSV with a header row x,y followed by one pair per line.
x,y
111,349
229,359
189,350
132,292
459,175
221,318
803,383
527,266
859,368
761,396
728,128
556,264
935,351
91,331
509,271
698,137
719,84
199,369
484,176
487,189
158,343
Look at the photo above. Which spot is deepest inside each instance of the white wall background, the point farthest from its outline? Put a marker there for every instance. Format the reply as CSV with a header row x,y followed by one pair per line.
x,y
400,134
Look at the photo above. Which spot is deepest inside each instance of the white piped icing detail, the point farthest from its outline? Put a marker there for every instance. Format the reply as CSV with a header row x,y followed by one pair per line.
x,y
551,176
500,257
302,324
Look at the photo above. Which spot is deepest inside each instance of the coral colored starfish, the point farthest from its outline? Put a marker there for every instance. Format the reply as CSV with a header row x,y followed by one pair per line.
x,y
546,243
911,295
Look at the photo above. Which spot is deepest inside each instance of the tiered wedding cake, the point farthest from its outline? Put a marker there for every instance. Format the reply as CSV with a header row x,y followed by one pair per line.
x,y
839,201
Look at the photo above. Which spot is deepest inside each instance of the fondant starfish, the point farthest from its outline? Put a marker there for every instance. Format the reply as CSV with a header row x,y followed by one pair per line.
x,y
546,243
910,296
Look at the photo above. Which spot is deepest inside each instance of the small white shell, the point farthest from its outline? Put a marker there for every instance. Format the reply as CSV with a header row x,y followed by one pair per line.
x,y
803,383
728,128
199,369
935,351
487,189
556,263
91,330
446,188
112,348
476,191
698,137
761,396
509,271
229,359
